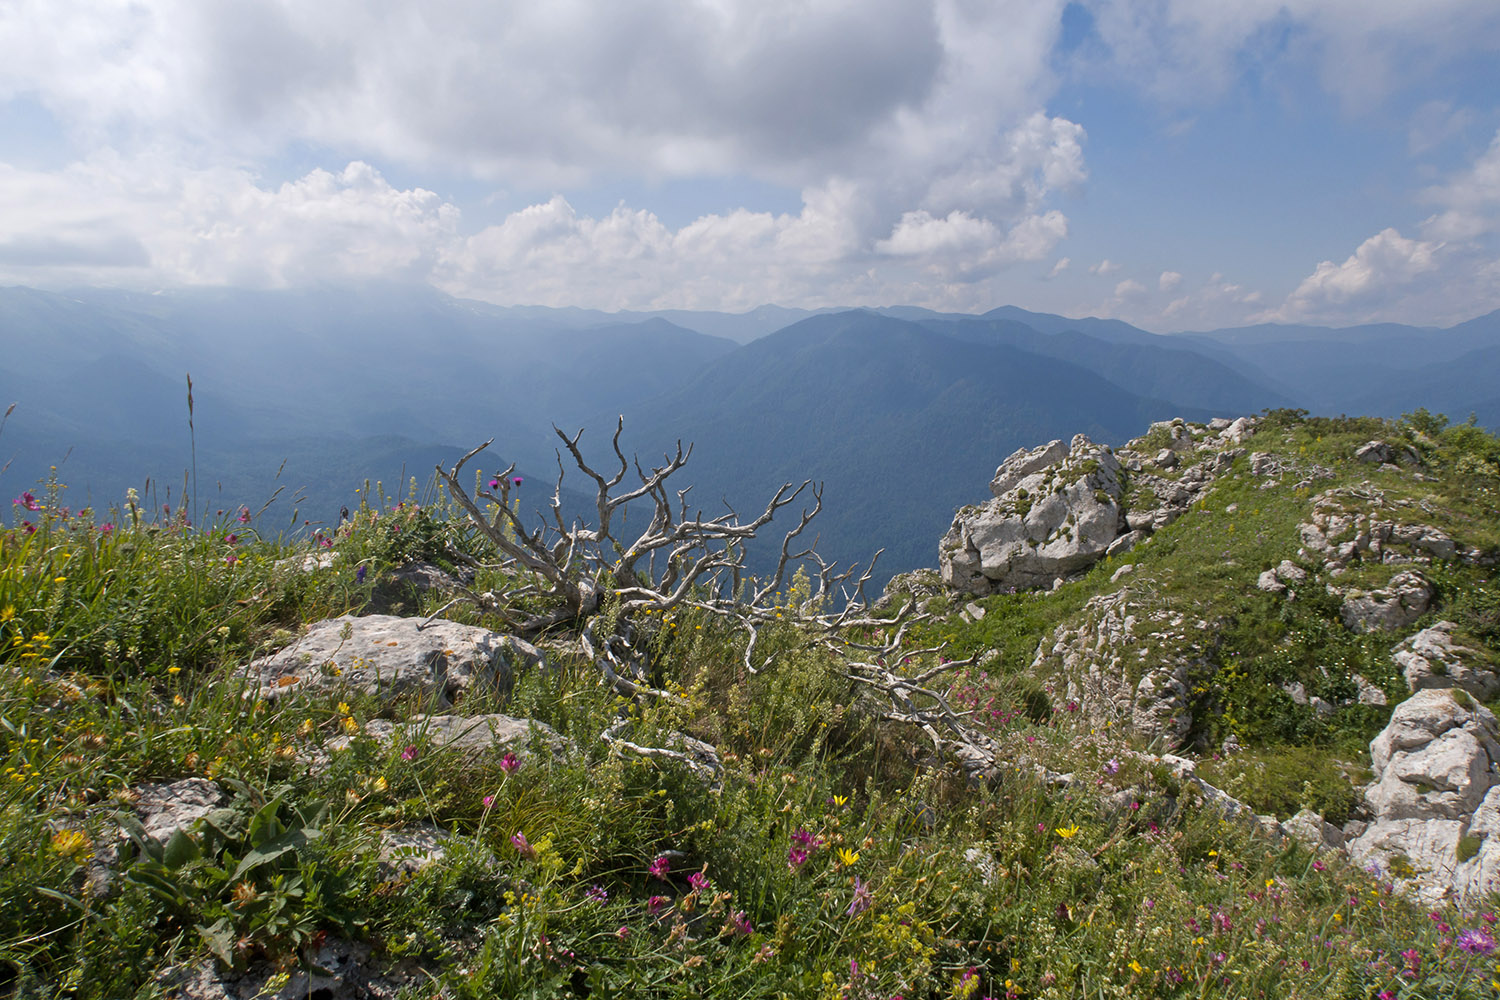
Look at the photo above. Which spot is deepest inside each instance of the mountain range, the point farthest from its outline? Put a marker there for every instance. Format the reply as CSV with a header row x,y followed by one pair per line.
x,y
898,411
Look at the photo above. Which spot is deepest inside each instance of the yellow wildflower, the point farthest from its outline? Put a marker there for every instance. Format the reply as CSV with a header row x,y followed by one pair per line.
x,y
350,726
70,843
1136,967
1067,832
847,858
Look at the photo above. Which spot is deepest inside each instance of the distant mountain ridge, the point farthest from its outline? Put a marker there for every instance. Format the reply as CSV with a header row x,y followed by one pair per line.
x,y
899,409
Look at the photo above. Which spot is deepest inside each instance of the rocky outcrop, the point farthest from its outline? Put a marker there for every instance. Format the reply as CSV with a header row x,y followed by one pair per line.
x,y
1350,525
1393,607
402,590
1434,798
1106,670
1056,510
1059,508
1432,659
391,658
470,735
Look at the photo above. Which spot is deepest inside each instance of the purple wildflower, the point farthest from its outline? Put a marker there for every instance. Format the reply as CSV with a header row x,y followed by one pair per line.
x,y
861,901
488,801
410,753
699,881
795,857
27,501
740,924
519,841
597,894
1476,942
359,574
1112,766
660,867
517,480
244,517
655,903
510,763
494,484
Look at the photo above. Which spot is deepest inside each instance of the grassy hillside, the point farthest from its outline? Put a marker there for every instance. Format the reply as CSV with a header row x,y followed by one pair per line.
x,y
834,853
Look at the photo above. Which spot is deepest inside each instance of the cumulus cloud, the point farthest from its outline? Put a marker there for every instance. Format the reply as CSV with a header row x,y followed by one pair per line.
x,y
1470,201
913,132
1130,289
1105,266
1446,275
1168,281
1373,275
1059,267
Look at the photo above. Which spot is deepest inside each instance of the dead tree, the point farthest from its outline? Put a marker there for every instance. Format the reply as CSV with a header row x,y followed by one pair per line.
x,y
683,559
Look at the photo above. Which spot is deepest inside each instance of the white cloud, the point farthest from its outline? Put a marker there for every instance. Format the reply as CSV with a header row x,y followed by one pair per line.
x,y
1372,276
1168,281
1059,267
1105,266
1471,200
913,131
1130,289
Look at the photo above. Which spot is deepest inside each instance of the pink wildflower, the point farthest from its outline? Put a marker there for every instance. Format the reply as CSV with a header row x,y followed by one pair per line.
x,y
519,841
410,753
510,763
660,867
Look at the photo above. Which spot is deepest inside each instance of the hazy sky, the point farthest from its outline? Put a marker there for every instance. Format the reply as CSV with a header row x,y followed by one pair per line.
x,y
1177,163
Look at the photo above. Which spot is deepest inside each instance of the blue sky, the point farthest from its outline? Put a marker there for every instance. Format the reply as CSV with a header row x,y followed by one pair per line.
x,y
1175,163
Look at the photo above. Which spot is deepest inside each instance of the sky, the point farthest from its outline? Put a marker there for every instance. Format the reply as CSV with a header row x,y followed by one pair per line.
x,y
1175,163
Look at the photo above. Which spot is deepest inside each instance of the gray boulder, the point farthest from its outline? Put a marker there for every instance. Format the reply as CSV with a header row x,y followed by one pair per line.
x,y
1056,511
472,736
1435,765
1391,608
1431,659
391,658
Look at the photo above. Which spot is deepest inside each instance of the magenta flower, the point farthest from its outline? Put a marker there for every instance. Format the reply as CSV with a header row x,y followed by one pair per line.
x,y
660,867
597,894
510,763
231,559
494,484
244,517
862,899
698,881
106,527
1112,766
622,932
740,924
231,539
655,903
488,800
519,841
517,480
1476,942
795,857
410,753
804,838
27,501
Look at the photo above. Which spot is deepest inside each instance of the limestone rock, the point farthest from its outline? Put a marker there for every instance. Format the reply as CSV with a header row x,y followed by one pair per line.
x,y
393,657
1431,659
1056,511
165,809
1311,829
402,589
1373,453
1395,606
1096,660
343,970
407,850
472,736
1435,764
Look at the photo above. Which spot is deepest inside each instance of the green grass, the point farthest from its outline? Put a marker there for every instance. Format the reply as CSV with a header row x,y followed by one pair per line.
x,y
842,857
